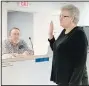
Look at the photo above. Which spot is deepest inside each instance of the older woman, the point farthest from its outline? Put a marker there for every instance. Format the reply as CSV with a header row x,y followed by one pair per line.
x,y
69,50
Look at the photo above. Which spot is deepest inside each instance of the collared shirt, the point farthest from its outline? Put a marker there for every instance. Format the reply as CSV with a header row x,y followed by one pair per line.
x,y
8,47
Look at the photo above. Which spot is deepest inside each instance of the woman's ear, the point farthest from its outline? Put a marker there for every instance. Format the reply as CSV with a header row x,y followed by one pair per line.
x,y
72,19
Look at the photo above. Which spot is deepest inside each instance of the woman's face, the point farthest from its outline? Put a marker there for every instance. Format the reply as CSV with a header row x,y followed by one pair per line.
x,y
65,19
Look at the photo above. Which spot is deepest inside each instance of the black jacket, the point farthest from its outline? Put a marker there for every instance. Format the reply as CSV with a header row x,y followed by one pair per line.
x,y
69,56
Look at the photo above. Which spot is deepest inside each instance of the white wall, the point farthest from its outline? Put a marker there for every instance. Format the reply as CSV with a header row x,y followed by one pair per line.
x,y
41,26
84,14
4,21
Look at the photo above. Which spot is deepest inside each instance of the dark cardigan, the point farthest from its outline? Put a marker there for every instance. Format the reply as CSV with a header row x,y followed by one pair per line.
x,y
69,56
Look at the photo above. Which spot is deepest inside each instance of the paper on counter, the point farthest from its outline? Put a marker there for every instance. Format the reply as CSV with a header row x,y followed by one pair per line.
x,y
5,56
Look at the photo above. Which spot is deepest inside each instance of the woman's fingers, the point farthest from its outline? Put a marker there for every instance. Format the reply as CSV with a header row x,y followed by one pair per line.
x,y
51,28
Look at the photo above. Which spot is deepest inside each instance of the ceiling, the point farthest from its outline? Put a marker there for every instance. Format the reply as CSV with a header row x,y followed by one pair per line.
x,y
37,6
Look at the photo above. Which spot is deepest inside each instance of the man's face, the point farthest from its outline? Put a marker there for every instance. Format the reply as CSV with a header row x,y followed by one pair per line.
x,y
65,19
15,35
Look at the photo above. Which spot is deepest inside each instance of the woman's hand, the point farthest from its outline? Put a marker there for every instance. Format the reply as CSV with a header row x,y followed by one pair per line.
x,y
25,53
51,28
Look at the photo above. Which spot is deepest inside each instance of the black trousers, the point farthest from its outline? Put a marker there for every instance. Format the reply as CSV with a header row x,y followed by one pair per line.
x,y
83,82
85,77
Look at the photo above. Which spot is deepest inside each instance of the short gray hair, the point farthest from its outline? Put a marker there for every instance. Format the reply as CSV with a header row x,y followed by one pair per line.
x,y
74,12
13,29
